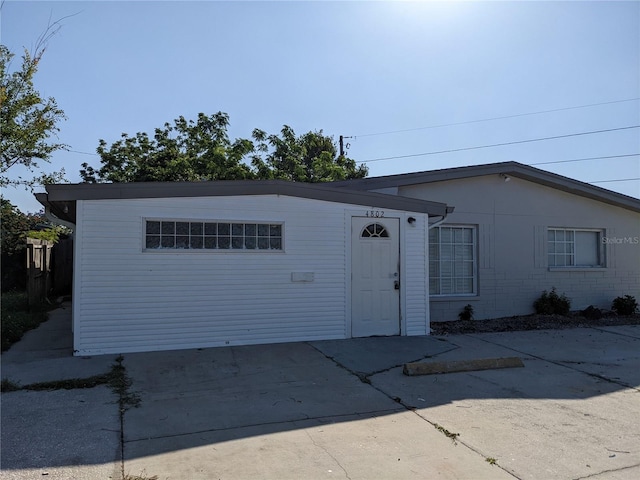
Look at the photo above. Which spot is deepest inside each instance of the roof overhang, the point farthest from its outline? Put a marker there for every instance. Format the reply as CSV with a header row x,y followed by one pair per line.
x,y
513,169
61,199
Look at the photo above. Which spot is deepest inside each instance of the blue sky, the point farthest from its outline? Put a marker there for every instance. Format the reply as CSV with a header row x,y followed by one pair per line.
x,y
352,69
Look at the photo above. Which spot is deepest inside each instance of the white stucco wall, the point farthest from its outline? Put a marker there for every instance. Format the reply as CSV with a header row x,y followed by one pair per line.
x,y
127,299
512,220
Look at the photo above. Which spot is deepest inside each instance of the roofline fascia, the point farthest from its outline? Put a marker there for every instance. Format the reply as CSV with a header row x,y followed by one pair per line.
x,y
514,169
59,193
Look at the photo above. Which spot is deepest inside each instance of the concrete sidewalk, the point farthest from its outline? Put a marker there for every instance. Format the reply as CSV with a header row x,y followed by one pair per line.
x,y
333,409
46,353
61,434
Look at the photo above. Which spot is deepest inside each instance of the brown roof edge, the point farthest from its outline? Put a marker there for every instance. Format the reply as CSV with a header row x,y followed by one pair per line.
x,y
514,169
61,198
64,210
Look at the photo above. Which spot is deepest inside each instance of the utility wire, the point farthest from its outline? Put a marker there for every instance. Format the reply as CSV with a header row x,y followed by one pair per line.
x,y
584,159
496,118
83,153
499,144
617,180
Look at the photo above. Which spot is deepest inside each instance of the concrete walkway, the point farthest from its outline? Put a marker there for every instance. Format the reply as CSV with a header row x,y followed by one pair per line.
x,y
332,409
62,434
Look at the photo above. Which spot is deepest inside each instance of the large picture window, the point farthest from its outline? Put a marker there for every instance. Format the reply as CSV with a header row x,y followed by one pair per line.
x,y
452,260
574,248
199,235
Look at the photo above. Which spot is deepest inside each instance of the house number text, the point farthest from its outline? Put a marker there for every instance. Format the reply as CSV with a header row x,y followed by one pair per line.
x,y
375,213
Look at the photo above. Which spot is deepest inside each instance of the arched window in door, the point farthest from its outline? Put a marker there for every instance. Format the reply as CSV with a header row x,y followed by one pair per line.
x,y
374,230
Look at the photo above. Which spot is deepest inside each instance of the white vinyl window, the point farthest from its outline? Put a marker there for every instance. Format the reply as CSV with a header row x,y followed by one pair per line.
x,y
200,235
574,248
452,260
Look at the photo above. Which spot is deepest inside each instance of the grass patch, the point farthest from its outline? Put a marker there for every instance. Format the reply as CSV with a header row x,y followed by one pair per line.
x,y
452,436
9,386
71,383
68,384
491,461
120,383
17,318
116,378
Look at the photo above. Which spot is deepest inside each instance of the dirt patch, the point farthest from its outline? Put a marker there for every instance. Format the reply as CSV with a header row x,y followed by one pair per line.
x,y
531,322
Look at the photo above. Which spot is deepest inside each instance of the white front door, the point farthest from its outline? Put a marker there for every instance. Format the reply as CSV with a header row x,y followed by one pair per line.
x,y
375,276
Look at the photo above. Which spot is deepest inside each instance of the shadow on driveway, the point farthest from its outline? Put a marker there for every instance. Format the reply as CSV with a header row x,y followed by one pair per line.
x,y
314,408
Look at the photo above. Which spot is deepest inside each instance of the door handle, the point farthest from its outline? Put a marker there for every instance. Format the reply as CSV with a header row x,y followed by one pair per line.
x,y
396,284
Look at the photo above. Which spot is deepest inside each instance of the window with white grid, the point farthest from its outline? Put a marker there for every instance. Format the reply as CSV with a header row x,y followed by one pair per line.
x,y
201,235
567,247
452,260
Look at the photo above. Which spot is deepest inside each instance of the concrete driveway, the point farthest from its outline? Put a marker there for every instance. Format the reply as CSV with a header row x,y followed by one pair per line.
x,y
335,409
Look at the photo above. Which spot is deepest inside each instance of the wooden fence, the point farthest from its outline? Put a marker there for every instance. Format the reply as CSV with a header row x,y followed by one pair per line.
x,y
38,270
49,268
62,266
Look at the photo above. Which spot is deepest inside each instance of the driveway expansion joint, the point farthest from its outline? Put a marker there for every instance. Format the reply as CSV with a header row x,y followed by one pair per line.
x,y
621,469
601,329
365,378
457,440
264,424
558,362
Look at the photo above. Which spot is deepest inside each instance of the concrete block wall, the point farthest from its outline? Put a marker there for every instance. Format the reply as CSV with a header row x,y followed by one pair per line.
x,y
512,221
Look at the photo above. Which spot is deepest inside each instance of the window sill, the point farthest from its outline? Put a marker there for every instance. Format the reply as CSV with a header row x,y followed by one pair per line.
x,y
577,269
453,298
209,251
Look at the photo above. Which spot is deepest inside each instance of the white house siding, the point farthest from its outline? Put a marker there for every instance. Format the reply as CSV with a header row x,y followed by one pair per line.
x,y
127,299
416,279
512,220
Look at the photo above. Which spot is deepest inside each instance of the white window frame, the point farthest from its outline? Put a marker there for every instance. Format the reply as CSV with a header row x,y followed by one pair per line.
x,y
569,248
440,261
232,238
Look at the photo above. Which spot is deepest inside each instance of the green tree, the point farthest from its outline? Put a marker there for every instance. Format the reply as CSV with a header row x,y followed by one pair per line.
x,y
201,150
311,157
185,151
15,225
27,121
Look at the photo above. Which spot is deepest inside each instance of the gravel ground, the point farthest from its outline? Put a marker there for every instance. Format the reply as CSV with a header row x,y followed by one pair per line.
x,y
531,322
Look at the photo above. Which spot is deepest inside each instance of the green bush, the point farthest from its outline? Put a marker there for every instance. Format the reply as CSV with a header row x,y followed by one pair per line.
x,y
17,318
466,313
50,234
550,303
626,305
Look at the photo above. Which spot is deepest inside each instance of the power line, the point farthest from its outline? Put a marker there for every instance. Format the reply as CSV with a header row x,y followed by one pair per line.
x,y
617,180
499,144
496,118
584,159
83,153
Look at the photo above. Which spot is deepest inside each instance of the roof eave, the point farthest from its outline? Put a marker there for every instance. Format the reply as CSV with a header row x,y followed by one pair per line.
x,y
60,196
514,169
64,210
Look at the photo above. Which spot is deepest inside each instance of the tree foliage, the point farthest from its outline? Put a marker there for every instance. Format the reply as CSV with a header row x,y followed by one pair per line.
x,y
199,150
15,225
27,120
311,157
185,151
